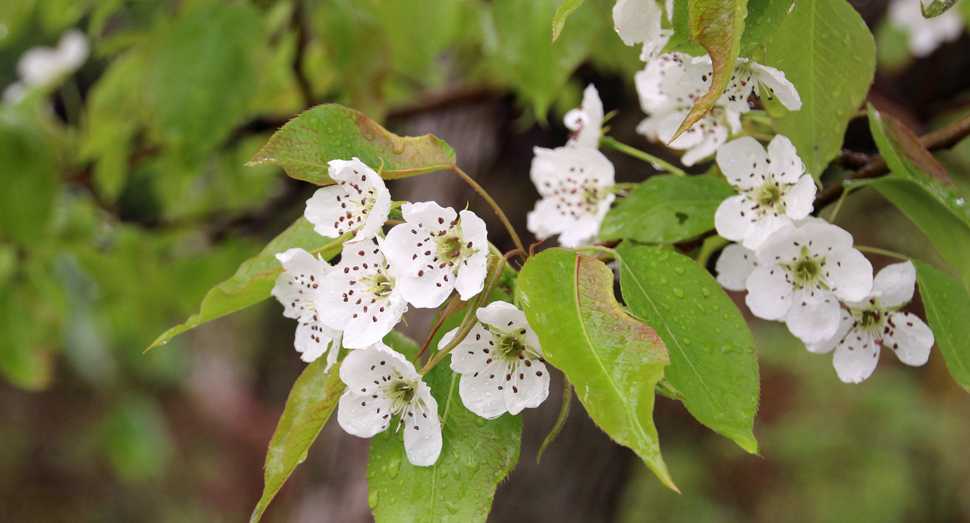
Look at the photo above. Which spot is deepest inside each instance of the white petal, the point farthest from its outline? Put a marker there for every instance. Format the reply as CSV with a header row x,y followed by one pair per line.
x,y
528,388
814,315
769,293
733,267
637,21
780,86
586,120
785,163
800,198
422,430
733,217
324,211
545,220
894,284
849,274
480,391
358,414
364,366
313,339
826,345
468,356
502,315
375,218
294,288
856,357
762,229
471,276
429,214
910,339
427,291
743,162
716,133
371,327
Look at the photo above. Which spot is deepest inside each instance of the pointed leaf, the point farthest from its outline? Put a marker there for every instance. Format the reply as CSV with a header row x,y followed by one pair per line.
x,y
614,360
936,8
563,12
255,277
666,209
903,150
762,20
311,402
947,307
715,25
827,52
712,358
334,132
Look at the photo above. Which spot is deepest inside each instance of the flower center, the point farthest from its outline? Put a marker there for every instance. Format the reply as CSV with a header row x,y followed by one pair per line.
x,y
449,247
807,271
380,283
768,194
510,347
870,321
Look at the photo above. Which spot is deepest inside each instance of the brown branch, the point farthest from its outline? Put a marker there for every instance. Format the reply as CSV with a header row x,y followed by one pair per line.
x,y
940,139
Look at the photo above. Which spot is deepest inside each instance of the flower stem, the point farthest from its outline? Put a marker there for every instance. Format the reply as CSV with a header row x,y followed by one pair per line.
x,y
884,252
838,205
611,143
567,401
709,247
498,210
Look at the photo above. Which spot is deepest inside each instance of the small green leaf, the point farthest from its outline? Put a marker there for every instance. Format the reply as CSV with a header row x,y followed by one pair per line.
x,y
764,17
827,52
667,209
334,132
613,360
559,20
936,209
311,402
715,25
936,8
712,358
476,454
255,277
947,307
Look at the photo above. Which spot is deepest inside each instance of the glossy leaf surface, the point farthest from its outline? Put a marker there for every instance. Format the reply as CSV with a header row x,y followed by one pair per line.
x,y
947,307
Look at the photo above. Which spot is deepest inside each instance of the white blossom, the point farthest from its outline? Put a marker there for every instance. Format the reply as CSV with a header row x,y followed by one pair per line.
x,y
775,190
358,203
40,66
925,34
639,22
437,251
296,289
574,183
734,265
874,322
667,95
802,274
586,120
361,296
500,362
749,77
382,385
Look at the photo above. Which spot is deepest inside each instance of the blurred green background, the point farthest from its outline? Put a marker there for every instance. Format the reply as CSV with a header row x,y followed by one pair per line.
x,y
124,198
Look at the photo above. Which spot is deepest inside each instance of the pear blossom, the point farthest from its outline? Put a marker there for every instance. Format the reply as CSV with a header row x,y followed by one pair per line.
x,y
296,289
874,322
500,362
734,265
667,95
574,183
40,66
639,22
925,34
775,190
585,121
802,274
749,77
436,251
383,385
361,296
358,203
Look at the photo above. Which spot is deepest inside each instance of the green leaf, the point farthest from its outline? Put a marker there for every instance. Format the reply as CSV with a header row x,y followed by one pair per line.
x,y
936,209
563,12
28,179
255,277
903,151
715,25
712,358
947,307
666,209
476,454
536,69
614,360
311,402
827,52
764,17
936,8
334,132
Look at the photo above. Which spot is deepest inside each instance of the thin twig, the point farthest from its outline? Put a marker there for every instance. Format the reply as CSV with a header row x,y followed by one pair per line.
x,y
611,143
495,207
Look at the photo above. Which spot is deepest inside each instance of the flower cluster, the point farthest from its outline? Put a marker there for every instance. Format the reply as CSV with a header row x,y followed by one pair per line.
x,y
358,301
42,66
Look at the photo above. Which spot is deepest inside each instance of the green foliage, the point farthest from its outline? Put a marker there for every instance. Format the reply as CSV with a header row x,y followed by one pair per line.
x,y
763,18
666,209
717,26
311,402
613,359
827,52
329,132
915,187
476,454
563,12
28,179
254,279
712,358
936,7
947,307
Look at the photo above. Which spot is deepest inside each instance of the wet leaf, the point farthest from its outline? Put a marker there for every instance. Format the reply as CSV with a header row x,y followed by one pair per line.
x,y
947,307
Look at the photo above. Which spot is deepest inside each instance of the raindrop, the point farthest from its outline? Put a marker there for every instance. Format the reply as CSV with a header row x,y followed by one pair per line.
x,y
452,507
706,292
373,499
678,292
394,467
679,270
